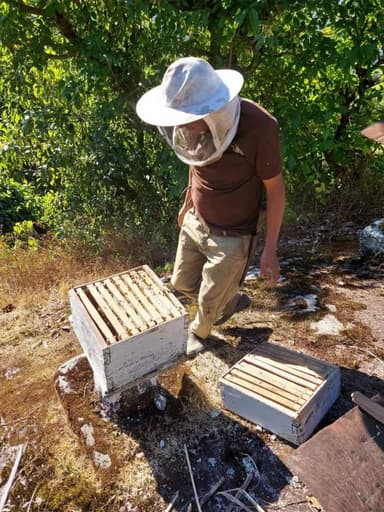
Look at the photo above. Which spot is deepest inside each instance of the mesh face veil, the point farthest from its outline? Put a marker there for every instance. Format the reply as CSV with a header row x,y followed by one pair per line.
x,y
201,148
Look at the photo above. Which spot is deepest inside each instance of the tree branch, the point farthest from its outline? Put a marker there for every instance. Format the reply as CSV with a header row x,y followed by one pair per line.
x,y
66,28
62,56
30,9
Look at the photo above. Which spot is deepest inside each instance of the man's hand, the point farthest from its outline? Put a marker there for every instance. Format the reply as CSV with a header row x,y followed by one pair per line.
x,y
269,267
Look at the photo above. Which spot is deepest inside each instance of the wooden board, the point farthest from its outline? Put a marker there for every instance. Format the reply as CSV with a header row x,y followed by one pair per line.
x,y
284,391
148,352
343,464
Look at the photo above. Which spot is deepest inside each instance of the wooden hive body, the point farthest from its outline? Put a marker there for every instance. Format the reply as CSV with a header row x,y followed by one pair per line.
x,y
129,325
285,392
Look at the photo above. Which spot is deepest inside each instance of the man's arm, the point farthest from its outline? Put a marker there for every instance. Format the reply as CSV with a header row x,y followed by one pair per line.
x,y
187,204
275,192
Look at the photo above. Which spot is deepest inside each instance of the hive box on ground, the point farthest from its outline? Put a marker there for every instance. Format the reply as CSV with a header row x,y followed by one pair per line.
x,y
285,392
130,326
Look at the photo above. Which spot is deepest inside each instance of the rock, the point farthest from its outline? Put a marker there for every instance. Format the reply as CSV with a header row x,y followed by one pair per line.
x,y
230,472
64,385
102,460
87,431
304,303
328,325
11,372
70,364
296,483
160,402
372,239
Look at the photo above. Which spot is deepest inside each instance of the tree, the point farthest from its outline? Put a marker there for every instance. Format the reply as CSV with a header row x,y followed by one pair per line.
x,y
72,71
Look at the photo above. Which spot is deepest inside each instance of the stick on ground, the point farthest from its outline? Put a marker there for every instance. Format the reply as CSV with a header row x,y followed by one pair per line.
x,y
212,491
192,479
174,499
32,498
236,501
243,487
251,500
12,476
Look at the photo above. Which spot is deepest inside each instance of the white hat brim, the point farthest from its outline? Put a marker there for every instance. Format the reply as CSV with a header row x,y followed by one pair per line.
x,y
151,109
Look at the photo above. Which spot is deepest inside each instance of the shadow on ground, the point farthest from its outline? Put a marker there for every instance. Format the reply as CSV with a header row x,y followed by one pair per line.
x,y
219,446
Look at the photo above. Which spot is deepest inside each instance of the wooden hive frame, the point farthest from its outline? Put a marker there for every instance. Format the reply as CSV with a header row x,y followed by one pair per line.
x,y
132,314
284,391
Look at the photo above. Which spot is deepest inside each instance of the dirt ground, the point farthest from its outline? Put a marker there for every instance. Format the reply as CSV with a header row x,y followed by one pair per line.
x,y
82,456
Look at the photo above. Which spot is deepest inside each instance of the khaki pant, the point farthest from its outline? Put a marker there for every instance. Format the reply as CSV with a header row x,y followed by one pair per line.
x,y
208,268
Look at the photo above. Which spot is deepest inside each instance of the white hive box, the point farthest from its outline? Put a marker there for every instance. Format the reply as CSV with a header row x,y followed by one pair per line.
x,y
285,392
129,325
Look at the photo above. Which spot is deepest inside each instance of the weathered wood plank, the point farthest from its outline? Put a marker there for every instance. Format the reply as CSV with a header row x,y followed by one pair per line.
x,y
109,336
149,351
314,409
165,308
135,289
268,386
143,319
294,369
300,381
285,354
262,393
121,315
369,406
342,464
135,320
137,298
109,314
150,292
167,294
277,380
91,339
269,415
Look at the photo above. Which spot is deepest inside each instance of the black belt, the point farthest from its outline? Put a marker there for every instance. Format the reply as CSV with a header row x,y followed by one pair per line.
x,y
222,232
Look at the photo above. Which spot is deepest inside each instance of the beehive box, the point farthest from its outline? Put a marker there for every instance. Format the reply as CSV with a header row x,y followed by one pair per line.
x,y
285,392
129,326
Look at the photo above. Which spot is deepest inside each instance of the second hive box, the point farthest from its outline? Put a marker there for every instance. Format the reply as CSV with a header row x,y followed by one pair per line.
x,y
284,391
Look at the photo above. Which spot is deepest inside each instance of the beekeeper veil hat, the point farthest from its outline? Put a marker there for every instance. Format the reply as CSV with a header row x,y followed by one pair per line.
x,y
192,90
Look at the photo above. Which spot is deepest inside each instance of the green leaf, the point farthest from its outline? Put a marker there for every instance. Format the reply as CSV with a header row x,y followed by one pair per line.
x,y
253,21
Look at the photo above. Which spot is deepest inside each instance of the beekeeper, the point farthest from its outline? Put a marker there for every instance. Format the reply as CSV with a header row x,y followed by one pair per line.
x,y
232,148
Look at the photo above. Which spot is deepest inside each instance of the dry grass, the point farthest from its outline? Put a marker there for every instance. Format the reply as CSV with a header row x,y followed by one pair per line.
x,y
28,275
35,339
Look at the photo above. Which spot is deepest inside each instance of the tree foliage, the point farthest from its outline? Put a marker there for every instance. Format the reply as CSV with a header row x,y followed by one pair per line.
x,y
72,71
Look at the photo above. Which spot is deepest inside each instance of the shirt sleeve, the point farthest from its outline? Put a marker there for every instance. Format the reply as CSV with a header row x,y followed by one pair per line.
x,y
268,158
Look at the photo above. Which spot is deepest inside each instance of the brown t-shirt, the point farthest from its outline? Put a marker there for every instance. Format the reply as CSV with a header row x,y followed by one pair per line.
x,y
226,194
